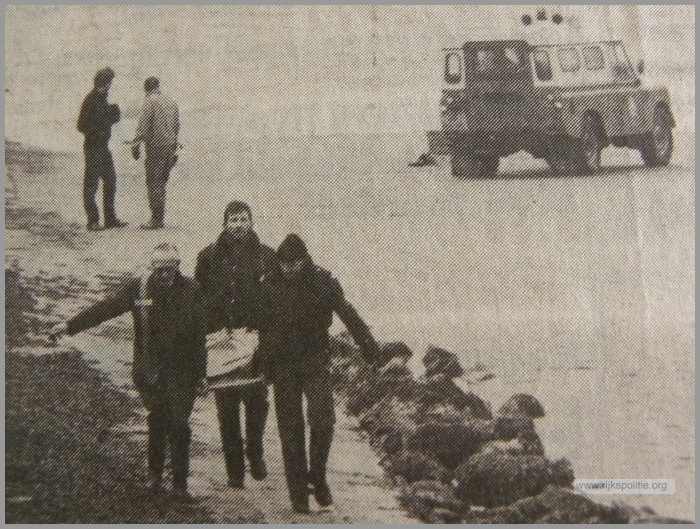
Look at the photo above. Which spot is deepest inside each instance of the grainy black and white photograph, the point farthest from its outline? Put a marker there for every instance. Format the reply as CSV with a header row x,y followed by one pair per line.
x,y
358,264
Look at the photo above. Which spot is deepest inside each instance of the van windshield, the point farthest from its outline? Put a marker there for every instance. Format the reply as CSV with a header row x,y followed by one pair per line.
x,y
493,59
497,61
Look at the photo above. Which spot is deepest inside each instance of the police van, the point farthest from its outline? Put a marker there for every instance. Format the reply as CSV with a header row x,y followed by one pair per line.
x,y
562,102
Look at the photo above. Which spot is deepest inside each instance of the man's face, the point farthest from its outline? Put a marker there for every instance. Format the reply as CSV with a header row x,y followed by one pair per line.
x,y
164,274
239,224
293,269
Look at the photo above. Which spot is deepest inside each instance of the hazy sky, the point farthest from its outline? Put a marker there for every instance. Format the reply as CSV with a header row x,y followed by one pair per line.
x,y
267,70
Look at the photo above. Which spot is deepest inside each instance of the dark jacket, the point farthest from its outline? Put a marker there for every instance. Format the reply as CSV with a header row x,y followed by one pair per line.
x,y
296,318
170,341
96,119
230,272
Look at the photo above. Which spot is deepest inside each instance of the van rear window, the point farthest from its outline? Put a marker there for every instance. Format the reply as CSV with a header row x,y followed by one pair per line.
x,y
453,68
485,60
569,59
593,58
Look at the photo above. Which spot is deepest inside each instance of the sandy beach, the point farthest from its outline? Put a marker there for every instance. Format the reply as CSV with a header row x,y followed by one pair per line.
x,y
578,290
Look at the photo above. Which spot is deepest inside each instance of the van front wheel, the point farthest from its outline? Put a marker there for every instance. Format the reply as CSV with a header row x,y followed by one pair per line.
x,y
657,145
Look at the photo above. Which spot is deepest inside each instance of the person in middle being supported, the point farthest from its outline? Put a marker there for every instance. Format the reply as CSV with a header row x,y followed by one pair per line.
x,y
298,309
230,273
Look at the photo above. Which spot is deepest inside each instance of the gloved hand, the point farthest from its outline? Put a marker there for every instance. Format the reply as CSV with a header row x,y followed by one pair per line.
x,y
136,150
370,352
57,331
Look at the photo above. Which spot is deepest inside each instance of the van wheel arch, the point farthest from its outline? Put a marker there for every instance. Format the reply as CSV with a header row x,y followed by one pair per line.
x,y
663,105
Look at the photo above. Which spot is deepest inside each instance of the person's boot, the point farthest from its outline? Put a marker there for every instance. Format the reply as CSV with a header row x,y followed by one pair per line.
x,y
320,445
235,464
258,469
155,482
94,226
115,223
152,225
300,504
179,452
256,417
236,484
181,495
322,493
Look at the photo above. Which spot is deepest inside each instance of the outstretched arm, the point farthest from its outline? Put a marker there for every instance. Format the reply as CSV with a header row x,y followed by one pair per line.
x,y
356,326
104,310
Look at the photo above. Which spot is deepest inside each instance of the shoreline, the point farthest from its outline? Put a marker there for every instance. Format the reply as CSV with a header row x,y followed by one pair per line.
x,y
85,253
47,291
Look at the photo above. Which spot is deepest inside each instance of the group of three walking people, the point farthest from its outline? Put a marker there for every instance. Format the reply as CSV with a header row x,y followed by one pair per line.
x,y
239,284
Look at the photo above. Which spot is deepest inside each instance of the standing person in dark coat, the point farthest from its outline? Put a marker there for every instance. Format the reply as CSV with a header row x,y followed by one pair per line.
x,y
230,272
169,355
95,123
296,357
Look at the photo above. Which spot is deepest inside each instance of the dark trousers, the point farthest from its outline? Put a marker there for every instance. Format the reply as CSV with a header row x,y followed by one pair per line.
x,y
99,166
169,411
159,162
289,387
228,405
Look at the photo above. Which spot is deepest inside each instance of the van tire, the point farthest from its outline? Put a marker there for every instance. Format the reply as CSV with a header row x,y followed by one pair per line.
x,y
560,154
589,146
657,145
467,166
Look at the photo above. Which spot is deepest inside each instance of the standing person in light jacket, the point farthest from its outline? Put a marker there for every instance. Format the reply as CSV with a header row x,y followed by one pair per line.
x,y
158,129
170,356
298,310
95,123
230,273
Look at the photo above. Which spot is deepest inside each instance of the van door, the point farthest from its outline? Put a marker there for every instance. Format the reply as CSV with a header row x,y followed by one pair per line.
x,y
499,84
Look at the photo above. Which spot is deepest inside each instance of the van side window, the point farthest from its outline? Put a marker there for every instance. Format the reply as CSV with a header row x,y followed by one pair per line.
x,y
486,60
593,58
512,55
569,59
622,70
543,68
453,68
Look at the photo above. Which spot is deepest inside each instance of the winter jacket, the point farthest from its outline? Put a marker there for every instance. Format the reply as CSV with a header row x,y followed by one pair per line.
x,y
230,272
169,343
295,321
159,123
96,119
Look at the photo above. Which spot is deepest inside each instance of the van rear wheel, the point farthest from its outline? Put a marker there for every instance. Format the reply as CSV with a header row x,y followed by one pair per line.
x,y
469,166
589,147
559,155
